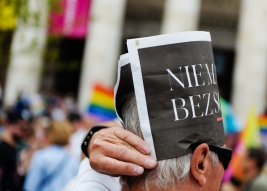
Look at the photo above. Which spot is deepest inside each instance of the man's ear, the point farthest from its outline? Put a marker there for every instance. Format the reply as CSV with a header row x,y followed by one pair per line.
x,y
200,163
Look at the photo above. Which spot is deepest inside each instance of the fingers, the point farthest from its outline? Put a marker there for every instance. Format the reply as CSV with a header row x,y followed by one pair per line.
x,y
127,154
115,151
133,140
115,167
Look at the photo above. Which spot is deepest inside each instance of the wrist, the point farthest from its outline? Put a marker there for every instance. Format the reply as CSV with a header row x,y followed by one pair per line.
x,y
88,138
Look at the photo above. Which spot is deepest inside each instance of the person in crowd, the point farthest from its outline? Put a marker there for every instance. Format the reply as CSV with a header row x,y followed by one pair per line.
x,y
88,178
13,133
79,132
253,164
22,104
1,95
53,167
2,122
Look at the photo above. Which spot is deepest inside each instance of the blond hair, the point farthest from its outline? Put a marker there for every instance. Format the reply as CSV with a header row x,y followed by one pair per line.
x,y
58,132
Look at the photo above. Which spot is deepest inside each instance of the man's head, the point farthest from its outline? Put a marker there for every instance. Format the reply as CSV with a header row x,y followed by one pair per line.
x,y
253,163
58,133
16,125
199,170
76,120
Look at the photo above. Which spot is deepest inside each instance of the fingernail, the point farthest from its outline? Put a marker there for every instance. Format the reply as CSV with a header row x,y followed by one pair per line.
x,y
150,163
138,170
146,149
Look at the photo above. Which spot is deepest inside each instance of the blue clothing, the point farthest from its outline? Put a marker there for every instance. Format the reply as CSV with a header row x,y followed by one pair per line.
x,y
50,169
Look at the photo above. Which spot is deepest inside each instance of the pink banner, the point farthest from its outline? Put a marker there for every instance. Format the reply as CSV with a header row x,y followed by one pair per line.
x,y
71,20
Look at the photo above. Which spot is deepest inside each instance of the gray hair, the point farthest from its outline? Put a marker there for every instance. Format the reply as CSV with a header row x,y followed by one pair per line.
x,y
169,172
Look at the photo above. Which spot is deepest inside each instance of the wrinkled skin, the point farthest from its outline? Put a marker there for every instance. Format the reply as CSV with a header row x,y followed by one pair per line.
x,y
115,151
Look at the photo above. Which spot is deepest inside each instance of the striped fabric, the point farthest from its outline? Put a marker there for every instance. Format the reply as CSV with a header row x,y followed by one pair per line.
x,y
101,107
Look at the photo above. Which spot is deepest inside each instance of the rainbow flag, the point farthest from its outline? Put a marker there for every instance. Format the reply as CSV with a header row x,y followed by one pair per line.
x,y
263,130
230,121
263,121
235,168
101,107
249,138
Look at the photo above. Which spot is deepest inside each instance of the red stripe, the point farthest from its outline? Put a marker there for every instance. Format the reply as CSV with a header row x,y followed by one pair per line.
x,y
219,118
104,89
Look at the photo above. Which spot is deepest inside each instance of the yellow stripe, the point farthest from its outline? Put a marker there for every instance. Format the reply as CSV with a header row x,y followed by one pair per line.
x,y
103,100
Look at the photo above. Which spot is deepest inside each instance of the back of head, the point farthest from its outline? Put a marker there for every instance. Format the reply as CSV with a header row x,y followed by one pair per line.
x,y
74,117
16,127
258,155
13,117
169,172
58,133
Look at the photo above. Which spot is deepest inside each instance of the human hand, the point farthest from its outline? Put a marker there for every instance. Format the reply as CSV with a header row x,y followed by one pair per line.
x,y
115,151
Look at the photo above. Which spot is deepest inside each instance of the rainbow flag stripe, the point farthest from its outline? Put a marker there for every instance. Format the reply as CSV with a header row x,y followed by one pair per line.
x,y
249,137
101,107
263,131
263,121
231,124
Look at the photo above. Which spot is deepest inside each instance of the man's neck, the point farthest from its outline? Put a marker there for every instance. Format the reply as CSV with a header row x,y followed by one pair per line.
x,y
153,188
188,185
137,188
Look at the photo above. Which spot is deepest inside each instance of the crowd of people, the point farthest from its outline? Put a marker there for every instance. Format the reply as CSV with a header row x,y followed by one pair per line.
x,y
40,138
41,151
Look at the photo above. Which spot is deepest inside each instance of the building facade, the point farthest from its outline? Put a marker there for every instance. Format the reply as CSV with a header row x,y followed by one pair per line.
x,y
238,30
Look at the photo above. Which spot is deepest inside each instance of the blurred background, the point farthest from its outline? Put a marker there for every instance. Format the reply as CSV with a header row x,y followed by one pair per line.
x,y
65,46
58,59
